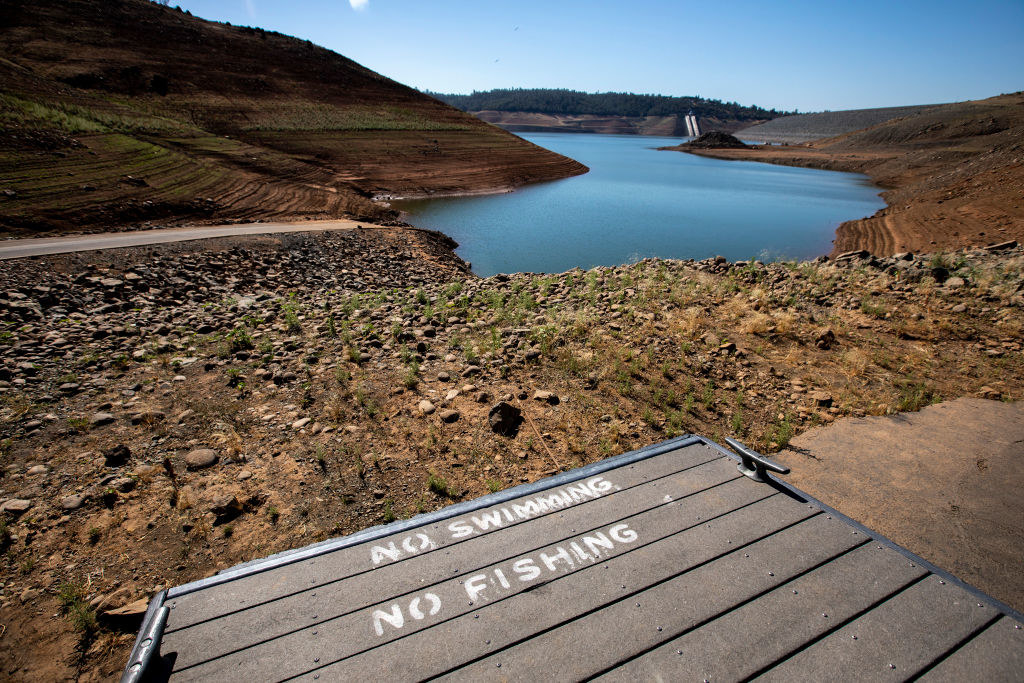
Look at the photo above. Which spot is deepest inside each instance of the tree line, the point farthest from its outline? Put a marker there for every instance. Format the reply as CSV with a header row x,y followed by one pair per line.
x,y
561,101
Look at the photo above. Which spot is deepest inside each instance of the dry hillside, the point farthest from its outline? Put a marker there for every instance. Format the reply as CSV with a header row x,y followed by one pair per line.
x,y
127,111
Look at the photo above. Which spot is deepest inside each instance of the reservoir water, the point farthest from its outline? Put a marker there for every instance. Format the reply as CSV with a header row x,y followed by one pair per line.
x,y
638,202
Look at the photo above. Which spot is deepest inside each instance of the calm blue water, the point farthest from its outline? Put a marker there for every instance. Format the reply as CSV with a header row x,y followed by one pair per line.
x,y
638,202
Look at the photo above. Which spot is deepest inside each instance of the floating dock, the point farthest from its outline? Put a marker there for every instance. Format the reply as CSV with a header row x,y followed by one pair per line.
x,y
665,563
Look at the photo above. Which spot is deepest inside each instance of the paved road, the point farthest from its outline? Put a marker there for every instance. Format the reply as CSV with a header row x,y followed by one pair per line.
x,y
39,246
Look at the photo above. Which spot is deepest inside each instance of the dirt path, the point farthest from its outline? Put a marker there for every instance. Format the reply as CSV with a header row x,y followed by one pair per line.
x,y
24,248
944,482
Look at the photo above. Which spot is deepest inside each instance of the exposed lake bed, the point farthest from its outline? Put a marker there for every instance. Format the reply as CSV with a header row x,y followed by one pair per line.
x,y
637,202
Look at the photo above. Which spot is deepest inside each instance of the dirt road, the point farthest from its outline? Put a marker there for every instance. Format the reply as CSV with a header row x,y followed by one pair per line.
x,y
40,246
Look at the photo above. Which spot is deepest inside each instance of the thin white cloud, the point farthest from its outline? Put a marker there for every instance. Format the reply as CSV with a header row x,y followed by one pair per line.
x,y
250,9
359,4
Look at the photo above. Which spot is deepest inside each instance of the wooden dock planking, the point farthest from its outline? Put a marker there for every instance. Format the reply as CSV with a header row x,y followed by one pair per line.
x,y
662,563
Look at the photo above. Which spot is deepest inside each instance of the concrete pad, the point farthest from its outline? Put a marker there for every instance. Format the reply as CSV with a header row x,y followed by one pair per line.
x,y
947,483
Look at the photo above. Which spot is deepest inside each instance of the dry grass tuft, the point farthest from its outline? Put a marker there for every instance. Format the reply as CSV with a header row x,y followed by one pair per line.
x,y
758,323
855,362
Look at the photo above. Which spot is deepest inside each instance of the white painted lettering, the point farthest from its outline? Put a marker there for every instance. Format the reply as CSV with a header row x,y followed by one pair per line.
x,y
435,603
552,502
414,609
526,510
560,554
475,585
460,529
394,618
598,540
622,533
539,505
501,578
526,569
417,613
582,492
488,520
380,553
579,552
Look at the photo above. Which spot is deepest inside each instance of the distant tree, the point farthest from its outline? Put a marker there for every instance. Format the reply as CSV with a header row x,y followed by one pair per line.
x,y
561,101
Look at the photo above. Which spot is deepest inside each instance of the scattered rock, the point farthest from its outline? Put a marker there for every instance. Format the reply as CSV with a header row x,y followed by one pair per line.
x,y
426,407
15,506
122,484
115,456
853,255
72,502
825,339
300,423
990,393
449,416
715,139
546,397
954,283
504,418
226,507
821,399
201,458
128,617
100,419
148,417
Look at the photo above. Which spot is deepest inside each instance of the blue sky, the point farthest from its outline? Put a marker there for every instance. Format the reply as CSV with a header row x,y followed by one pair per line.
x,y
810,56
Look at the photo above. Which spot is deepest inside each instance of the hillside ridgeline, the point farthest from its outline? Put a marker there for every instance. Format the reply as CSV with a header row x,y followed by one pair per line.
x,y
570,111
127,111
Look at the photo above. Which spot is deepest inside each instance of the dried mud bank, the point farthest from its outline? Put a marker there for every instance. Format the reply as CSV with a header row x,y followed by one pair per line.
x,y
168,412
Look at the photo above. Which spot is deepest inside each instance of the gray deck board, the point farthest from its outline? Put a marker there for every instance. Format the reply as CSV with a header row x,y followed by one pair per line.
x,y
589,645
665,565
496,627
996,654
309,574
779,622
418,572
894,641
343,635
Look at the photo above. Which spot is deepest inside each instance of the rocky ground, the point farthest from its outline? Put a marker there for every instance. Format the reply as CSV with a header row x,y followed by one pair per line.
x,y
168,412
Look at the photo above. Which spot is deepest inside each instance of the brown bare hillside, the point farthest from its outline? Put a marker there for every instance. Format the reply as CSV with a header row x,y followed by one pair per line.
x,y
954,176
127,111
